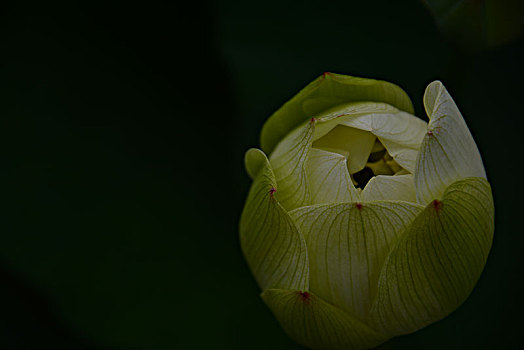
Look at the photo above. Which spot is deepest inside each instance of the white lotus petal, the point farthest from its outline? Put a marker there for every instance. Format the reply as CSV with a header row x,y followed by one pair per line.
x,y
437,261
354,144
400,187
347,244
329,178
448,152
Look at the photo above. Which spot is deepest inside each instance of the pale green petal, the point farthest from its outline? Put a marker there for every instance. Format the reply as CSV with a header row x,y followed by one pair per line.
x,y
317,324
347,244
448,152
329,178
401,133
289,162
323,93
254,160
399,187
437,261
274,249
354,144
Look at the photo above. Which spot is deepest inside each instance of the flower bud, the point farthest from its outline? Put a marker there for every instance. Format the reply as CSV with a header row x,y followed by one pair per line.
x,y
365,222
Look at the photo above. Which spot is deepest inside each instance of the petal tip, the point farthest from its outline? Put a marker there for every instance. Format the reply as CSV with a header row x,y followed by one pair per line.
x,y
304,296
254,161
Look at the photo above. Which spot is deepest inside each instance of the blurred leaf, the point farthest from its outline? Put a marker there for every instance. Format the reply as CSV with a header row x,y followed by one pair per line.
x,y
476,24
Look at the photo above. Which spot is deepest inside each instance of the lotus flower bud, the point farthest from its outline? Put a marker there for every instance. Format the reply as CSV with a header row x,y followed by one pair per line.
x,y
364,222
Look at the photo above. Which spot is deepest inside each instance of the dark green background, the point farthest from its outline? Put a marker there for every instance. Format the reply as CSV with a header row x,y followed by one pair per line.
x,y
123,128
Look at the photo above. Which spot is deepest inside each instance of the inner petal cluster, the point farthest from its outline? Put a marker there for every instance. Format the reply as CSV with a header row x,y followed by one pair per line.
x,y
365,156
380,162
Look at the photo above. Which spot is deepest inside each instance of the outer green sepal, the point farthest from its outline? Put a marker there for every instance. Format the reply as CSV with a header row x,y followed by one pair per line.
x,y
327,91
437,261
274,248
314,323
